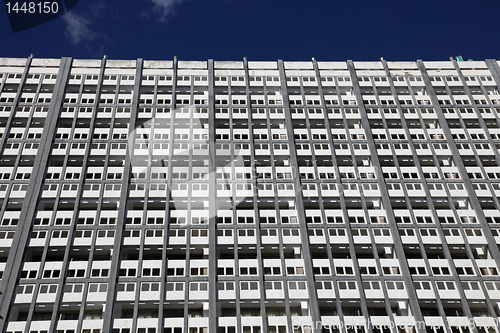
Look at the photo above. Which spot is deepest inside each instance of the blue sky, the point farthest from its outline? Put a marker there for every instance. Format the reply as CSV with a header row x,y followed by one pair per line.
x,y
264,30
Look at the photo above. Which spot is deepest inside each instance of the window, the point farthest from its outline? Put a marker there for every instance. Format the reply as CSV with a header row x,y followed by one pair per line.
x,y
422,285
245,219
360,232
195,271
391,270
174,286
106,233
198,286
98,287
199,232
251,285
371,285
273,285
315,232
289,219
406,232
248,270
428,232
132,233
175,271
177,233
107,220
418,270
60,234
336,232
425,219
103,272
150,286
395,285
291,232
269,232
297,285
470,285
382,232
347,285
344,270
445,285
465,270
177,220
368,270
321,270
246,232
34,234
73,288
47,274
358,219
488,270
151,272
126,287
313,219
334,219
154,233
85,220
441,271
48,288
225,271
76,273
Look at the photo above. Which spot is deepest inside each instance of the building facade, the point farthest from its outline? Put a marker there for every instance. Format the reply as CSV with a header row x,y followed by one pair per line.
x,y
248,197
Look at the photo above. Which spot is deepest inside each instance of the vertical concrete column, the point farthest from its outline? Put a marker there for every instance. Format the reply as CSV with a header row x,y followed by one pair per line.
x,y
306,254
22,235
280,226
398,246
212,190
255,205
343,204
64,269
163,273
120,223
341,192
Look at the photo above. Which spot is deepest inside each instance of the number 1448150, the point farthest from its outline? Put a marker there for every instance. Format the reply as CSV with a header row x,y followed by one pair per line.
x,y
45,7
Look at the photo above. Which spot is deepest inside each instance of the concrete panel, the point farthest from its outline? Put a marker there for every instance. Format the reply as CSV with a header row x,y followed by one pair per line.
x,y
402,65
262,65
228,65
13,62
192,64
87,63
158,64
45,62
368,65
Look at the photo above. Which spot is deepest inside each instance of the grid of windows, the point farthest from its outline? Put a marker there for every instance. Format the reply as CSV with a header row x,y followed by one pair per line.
x,y
176,196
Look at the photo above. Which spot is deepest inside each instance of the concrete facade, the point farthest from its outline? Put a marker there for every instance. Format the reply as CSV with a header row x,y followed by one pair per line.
x,y
249,197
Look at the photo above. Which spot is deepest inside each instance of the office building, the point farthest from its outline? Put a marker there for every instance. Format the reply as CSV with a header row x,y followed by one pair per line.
x,y
249,197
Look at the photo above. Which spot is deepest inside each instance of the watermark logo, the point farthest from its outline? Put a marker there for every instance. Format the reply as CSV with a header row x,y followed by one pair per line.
x,y
24,15
408,325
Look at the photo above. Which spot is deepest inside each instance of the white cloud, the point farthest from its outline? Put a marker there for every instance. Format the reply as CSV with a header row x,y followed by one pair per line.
x,y
77,28
165,7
